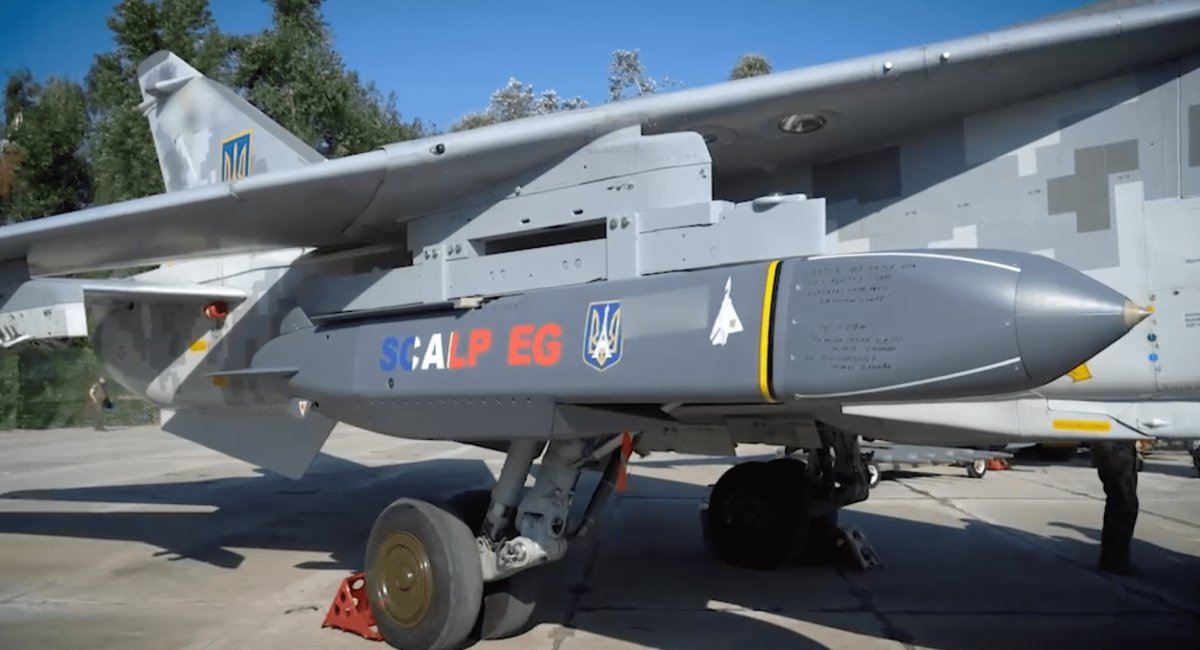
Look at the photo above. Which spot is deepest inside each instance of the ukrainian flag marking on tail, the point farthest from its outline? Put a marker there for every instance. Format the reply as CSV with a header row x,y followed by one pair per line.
x,y
235,156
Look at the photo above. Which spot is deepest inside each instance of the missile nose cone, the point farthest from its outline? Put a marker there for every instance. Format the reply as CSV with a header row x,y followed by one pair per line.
x,y
1064,318
1134,314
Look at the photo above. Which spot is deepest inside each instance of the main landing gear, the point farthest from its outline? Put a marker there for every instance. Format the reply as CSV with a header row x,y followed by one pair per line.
x,y
441,576
444,576
766,514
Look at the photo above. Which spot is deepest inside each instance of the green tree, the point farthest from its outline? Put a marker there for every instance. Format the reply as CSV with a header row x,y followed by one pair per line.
x,y
124,162
10,386
292,73
626,71
19,93
43,172
750,65
46,172
472,121
515,101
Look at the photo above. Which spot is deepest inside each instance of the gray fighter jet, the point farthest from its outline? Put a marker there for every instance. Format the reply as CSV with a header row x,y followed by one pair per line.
x,y
938,244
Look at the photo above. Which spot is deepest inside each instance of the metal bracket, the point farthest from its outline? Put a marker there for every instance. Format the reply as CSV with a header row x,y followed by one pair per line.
x,y
624,206
468,302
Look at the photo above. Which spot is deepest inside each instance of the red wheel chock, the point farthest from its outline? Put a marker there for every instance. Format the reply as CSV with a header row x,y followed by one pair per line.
x,y
996,464
350,611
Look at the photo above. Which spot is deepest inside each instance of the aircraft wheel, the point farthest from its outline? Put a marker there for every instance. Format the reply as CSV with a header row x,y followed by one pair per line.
x,y
977,468
873,475
424,580
508,605
757,514
821,545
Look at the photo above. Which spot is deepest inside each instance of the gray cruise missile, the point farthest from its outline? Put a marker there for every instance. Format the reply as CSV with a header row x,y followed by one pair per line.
x,y
871,327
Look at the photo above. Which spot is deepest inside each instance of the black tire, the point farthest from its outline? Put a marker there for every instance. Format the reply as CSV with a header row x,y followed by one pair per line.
x,y
424,580
977,468
873,475
820,546
508,605
790,469
757,514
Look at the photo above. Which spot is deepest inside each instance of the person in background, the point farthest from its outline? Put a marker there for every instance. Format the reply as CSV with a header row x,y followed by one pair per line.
x,y
1116,463
98,394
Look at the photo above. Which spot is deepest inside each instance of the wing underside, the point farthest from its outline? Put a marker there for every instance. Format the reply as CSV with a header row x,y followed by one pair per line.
x,y
42,309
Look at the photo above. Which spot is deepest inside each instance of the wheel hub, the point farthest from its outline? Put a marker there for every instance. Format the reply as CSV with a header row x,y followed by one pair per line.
x,y
406,579
748,511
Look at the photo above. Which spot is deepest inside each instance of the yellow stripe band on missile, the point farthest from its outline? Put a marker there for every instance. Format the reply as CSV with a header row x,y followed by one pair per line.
x,y
764,340
1082,425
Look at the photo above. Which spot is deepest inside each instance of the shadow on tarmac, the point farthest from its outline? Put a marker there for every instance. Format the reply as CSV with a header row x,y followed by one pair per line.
x,y
1171,469
652,539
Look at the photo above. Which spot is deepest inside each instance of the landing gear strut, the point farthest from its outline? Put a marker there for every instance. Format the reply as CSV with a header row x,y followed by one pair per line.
x,y
762,515
440,577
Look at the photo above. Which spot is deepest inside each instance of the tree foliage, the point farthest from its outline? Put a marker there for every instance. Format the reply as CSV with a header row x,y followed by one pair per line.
x,y
516,100
750,65
63,148
292,73
44,171
123,158
627,72
19,93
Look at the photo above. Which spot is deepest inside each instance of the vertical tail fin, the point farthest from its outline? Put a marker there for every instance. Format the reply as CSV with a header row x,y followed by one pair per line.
x,y
205,134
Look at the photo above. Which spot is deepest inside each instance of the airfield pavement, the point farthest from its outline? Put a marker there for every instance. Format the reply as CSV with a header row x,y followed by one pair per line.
x,y
134,539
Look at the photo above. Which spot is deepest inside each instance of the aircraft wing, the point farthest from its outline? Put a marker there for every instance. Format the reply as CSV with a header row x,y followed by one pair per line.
x,y
56,308
364,198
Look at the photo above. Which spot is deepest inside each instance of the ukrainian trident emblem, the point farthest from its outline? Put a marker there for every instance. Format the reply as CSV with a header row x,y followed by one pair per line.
x,y
602,341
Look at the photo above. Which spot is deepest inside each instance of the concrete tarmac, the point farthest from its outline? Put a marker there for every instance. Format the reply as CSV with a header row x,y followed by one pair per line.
x,y
134,539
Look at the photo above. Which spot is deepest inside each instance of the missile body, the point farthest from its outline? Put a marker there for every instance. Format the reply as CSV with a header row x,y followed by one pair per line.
x,y
872,327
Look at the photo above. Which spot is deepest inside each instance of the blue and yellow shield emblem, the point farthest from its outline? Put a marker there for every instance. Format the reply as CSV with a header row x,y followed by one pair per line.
x,y
602,337
235,157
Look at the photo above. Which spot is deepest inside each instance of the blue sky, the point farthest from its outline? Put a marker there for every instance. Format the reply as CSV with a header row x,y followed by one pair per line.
x,y
445,59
